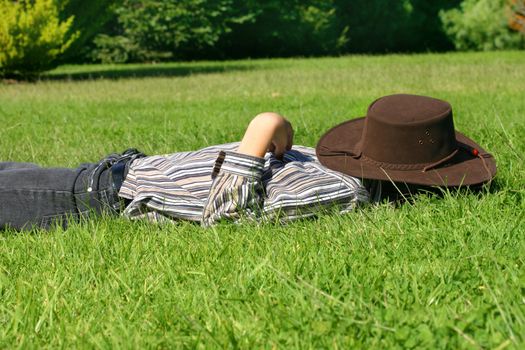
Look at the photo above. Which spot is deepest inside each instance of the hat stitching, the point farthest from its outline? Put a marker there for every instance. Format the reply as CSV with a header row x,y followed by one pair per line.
x,y
413,166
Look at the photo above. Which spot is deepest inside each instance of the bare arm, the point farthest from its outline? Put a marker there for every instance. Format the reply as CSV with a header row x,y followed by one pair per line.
x,y
267,132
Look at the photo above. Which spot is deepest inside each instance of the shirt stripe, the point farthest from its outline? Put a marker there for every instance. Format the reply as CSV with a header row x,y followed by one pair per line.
x,y
217,183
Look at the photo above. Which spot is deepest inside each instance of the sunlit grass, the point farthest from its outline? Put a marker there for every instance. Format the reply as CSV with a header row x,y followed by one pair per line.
x,y
437,273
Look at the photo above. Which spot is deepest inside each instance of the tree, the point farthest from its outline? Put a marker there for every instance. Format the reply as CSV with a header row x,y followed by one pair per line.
x,y
151,30
481,25
89,20
32,37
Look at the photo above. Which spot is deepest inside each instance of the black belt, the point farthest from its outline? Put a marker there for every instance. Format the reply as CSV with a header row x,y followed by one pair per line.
x,y
118,173
117,165
119,168
112,170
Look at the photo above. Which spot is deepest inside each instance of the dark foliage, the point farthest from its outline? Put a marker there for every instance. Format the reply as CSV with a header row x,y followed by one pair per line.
x,y
393,26
157,30
152,30
89,20
283,28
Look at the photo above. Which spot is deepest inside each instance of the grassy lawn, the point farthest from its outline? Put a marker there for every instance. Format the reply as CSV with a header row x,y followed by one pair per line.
x,y
438,273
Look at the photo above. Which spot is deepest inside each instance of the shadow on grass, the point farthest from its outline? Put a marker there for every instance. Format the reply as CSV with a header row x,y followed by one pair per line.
x,y
147,71
401,193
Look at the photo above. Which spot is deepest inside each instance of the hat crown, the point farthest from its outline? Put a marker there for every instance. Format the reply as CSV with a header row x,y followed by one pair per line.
x,y
408,129
406,109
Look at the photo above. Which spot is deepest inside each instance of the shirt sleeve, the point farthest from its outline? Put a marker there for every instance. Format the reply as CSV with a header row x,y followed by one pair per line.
x,y
236,190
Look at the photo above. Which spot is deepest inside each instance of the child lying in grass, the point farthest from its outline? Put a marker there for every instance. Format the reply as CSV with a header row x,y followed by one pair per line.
x,y
404,139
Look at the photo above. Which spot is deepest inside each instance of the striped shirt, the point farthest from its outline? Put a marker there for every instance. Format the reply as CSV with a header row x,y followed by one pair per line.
x,y
217,183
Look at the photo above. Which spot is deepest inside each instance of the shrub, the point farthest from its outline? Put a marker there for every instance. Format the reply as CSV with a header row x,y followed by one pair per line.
x,y
152,30
155,30
31,37
393,26
283,28
517,16
481,25
90,18
120,49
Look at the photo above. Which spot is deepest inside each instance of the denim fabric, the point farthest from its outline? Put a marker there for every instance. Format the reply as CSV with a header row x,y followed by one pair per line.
x,y
35,197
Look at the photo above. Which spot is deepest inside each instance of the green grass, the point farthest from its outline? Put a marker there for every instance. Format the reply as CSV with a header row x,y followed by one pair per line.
x,y
438,273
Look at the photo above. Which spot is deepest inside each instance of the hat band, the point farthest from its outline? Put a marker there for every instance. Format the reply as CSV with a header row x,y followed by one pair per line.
x,y
415,166
391,166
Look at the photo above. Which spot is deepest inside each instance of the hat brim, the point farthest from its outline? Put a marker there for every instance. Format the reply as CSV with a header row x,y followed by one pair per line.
x,y
462,169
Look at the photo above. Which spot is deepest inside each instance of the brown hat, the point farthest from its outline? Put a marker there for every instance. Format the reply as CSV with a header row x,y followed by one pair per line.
x,y
406,138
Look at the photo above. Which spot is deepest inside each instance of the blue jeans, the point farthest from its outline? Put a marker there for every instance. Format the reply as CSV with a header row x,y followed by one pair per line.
x,y
35,197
